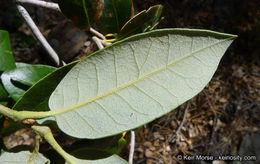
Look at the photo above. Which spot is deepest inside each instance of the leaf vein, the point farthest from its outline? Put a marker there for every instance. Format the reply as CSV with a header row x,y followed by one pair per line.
x,y
134,81
147,55
148,95
109,115
131,107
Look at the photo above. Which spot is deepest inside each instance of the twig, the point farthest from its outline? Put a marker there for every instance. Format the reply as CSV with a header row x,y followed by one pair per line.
x,y
106,43
55,6
46,133
93,31
48,5
38,35
132,148
36,149
181,124
98,42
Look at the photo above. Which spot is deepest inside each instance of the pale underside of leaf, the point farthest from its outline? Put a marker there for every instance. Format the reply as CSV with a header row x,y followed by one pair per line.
x,y
22,158
114,159
136,81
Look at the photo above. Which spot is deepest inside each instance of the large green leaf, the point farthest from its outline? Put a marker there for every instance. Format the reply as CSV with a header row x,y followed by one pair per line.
x,y
6,56
18,80
82,13
22,158
110,160
137,80
36,98
114,15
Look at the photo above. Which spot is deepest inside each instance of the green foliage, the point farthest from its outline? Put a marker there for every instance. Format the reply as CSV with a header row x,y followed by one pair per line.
x,y
82,13
149,19
97,149
131,82
16,77
3,92
114,15
41,91
11,128
6,56
114,159
114,90
18,80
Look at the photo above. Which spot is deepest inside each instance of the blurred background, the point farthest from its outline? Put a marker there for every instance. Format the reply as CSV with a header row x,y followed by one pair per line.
x,y
224,119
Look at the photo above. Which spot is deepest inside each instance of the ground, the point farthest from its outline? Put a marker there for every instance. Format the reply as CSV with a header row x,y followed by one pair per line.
x,y
224,119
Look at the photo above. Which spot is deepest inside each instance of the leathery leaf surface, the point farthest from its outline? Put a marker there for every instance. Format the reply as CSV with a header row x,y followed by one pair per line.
x,y
136,80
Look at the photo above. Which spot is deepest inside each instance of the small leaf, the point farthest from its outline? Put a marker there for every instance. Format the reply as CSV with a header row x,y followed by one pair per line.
x,y
82,13
6,56
18,80
36,98
22,158
141,22
110,160
137,80
115,14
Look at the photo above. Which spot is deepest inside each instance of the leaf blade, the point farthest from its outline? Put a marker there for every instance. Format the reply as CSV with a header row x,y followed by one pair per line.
x,y
136,81
82,13
18,80
36,98
110,160
22,158
6,56
115,14
149,18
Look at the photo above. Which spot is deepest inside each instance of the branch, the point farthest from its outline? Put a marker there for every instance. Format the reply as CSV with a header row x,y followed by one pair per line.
x,y
46,133
55,6
132,148
38,35
19,116
48,5
98,42
93,31
36,149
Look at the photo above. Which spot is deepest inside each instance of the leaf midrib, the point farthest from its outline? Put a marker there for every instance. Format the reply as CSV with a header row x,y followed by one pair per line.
x,y
73,107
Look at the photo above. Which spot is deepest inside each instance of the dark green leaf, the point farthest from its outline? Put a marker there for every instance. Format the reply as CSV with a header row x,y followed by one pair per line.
x,y
3,93
142,22
114,159
18,80
4,103
82,13
6,56
115,14
97,149
11,128
36,98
